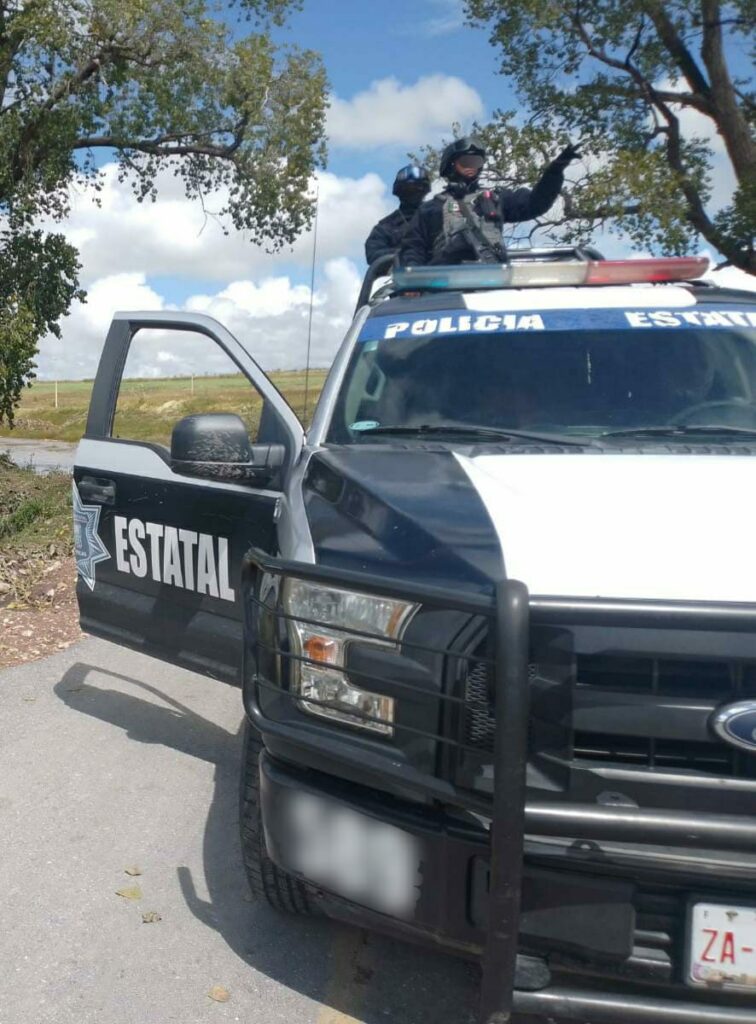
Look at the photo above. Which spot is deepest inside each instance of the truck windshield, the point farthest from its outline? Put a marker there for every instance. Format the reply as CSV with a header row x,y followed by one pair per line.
x,y
584,383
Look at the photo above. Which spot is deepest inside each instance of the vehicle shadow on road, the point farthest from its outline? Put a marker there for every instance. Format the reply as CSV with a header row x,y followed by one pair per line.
x,y
355,975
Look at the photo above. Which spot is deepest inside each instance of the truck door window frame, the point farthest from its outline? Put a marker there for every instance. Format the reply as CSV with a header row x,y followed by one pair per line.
x,y
107,384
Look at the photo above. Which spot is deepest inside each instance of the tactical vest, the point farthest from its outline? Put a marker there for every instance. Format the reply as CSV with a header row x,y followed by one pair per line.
x,y
487,234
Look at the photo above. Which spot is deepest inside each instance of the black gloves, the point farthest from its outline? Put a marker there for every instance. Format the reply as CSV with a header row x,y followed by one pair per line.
x,y
567,156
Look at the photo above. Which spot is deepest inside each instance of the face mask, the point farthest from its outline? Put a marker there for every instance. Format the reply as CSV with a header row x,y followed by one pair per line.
x,y
412,195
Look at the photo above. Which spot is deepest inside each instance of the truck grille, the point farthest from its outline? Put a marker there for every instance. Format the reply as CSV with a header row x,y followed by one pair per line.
x,y
665,755
480,725
709,683
599,682
668,677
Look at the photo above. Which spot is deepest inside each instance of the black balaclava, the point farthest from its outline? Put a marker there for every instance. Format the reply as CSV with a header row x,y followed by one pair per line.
x,y
410,197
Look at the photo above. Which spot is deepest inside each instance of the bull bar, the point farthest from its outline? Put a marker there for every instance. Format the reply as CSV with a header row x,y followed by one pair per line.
x,y
511,610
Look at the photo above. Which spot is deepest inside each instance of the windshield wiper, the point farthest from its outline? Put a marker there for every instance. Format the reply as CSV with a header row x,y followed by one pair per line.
x,y
474,431
681,430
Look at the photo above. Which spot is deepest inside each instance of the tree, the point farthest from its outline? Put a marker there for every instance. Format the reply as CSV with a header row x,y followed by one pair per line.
x,y
648,87
151,84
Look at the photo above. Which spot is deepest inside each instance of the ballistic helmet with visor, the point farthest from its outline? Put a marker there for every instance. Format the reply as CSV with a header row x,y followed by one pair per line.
x,y
411,178
468,145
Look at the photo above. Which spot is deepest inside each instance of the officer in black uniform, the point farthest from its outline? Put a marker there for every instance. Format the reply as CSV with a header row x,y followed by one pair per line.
x,y
411,185
464,222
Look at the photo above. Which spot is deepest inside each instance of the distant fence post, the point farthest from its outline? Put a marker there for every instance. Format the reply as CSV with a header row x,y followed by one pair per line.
x,y
56,394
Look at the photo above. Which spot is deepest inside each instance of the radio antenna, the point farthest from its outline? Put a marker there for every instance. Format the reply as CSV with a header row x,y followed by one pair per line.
x,y
312,297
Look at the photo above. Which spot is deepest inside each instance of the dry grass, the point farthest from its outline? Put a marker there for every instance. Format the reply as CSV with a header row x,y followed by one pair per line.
x,y
148,409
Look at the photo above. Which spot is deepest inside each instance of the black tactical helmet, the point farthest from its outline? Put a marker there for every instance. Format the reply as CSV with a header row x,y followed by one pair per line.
x,y
467,144
412,175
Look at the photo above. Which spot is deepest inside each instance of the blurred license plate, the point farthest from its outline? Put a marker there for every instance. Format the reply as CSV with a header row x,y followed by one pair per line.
x,y
351,854
722,946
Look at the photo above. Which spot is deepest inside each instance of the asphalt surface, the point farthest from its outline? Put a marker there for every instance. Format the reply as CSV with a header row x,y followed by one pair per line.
x,y
110,760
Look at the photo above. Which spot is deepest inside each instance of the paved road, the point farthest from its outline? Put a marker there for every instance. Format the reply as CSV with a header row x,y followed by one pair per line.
x,y
43,456
110,760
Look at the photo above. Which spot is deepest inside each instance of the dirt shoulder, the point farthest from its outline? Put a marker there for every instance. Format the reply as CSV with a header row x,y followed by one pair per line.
x,y
48,618
38,611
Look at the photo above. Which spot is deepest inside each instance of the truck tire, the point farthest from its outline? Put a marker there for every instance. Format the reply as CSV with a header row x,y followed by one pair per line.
x,y
282,891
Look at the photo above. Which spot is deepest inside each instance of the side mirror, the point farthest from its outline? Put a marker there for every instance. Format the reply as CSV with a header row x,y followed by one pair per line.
x,y
216,446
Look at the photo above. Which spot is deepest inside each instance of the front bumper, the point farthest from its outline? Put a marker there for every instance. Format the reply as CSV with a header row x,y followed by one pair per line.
x,y
552,896
581,931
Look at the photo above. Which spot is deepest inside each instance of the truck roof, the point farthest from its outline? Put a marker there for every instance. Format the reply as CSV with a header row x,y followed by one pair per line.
x,y
627,296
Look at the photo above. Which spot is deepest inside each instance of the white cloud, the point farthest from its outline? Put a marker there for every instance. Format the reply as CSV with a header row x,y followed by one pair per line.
x,y
172,237
128,249
449,17
392,114
270,316
77,352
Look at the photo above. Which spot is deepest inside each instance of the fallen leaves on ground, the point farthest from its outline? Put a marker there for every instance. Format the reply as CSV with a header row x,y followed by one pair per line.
x,y
151,917
133,871
37,624
130,892
219,994
38,612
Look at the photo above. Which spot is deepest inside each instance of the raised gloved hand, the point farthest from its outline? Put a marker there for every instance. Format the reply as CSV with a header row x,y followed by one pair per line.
x,y
567,156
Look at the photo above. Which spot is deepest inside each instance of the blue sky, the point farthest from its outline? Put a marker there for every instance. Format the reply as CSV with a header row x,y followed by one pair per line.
x,y
400,73
363,42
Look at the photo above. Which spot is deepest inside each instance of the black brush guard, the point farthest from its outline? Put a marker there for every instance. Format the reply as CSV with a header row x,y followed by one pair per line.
x,y
510,612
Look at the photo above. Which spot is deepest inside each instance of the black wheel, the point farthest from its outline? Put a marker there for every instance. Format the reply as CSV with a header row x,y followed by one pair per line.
x,y
281,890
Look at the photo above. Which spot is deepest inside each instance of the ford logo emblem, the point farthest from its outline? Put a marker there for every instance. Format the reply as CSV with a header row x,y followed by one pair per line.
x,y
736,724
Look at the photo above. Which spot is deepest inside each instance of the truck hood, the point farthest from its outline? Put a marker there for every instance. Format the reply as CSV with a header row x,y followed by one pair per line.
x,y
410,513
664,527
599,525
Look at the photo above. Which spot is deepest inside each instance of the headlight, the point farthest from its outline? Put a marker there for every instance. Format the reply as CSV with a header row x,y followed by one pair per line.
x,y
337,618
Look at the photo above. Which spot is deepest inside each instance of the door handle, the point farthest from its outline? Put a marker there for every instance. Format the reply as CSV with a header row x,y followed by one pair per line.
x,y
97,489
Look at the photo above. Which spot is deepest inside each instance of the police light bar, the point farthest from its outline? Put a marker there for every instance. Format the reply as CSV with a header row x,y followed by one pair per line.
x,y
544,274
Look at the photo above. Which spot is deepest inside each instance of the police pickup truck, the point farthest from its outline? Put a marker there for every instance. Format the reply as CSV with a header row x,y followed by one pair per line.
x,y
494,617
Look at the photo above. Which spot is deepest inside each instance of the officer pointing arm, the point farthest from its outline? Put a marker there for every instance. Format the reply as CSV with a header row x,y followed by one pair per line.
x,y
411,185
464,222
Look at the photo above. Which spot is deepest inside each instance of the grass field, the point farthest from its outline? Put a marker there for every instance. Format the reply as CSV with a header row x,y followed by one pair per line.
x,y
148,409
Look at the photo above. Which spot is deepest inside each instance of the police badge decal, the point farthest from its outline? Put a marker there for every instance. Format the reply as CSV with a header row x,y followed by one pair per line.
x,y
88,547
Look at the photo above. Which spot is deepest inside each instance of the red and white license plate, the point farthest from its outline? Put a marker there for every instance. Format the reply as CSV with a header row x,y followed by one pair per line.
x,y
722,946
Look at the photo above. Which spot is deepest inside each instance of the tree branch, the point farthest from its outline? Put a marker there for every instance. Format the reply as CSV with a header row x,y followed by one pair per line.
x,y
77,79
166,145
573,212
696,212
730,120
685,99
677,48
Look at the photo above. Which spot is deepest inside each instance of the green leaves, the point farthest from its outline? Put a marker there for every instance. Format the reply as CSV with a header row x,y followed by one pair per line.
x,y
38,282
645,88
150,83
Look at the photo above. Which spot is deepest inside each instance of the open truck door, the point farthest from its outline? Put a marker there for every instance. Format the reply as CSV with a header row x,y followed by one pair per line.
x,y
161,530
